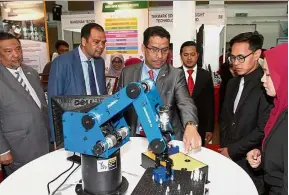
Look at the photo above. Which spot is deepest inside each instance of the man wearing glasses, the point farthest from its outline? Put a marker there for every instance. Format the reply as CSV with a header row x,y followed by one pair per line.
x,y
245,109
171,84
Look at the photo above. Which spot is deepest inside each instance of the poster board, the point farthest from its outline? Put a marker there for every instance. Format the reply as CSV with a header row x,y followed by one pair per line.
x,y
124,24
27,21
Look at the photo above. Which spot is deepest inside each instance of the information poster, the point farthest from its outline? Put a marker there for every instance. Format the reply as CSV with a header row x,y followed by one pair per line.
x,y
27,21
124,24
121,35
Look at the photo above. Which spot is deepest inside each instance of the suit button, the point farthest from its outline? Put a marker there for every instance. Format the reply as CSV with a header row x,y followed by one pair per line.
x,y
233,123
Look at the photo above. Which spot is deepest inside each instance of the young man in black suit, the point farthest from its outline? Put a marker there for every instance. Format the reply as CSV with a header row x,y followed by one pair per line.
x,y
201,88
246,108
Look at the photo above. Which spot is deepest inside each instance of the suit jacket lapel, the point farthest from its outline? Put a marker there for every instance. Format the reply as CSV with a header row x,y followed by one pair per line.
x,y
14,83
198,84
37,88
233,95
248,87
161,77
78,72
98,77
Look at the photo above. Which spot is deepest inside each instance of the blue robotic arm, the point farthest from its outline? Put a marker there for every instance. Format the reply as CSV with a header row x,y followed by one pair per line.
x,y
103,130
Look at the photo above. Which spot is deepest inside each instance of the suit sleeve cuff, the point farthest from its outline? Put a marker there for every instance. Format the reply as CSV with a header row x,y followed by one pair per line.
x,y
5,153
232,151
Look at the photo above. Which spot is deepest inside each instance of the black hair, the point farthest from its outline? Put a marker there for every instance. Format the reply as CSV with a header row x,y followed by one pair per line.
x,y
188,43
155,31
86,29
171,46
7,36
59,43
254,39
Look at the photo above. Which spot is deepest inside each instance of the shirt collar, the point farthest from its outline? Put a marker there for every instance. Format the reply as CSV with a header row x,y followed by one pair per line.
x,y
14,71
146,69
194,69
255,75
82,56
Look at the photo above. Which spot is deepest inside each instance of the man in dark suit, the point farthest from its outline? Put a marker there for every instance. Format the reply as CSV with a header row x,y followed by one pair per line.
x,y
245,108
61,48
80,71
23,109
201,89
170,83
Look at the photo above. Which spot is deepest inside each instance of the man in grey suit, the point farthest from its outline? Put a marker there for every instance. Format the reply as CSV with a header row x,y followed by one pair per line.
x,y
171,84
23,109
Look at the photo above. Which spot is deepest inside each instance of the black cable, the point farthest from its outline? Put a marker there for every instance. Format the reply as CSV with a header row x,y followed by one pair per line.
x,y
48,189
65,180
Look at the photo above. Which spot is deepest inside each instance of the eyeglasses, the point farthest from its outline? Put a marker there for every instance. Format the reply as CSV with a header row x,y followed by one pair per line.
x,y
240,58
156,50
117,62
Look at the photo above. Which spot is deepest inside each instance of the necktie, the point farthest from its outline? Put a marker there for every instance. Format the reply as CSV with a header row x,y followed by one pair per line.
x,y
191,84
91,79
21,81
238,97
151,73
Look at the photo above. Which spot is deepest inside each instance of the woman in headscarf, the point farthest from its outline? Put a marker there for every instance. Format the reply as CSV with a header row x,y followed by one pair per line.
x,y
274,156
116,65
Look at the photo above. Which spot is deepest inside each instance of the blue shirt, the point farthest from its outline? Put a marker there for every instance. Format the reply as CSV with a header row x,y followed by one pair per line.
x,y
84,64
145,72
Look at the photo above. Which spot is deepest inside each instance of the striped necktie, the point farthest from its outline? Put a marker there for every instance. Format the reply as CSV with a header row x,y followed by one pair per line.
x,y
91,76
21,81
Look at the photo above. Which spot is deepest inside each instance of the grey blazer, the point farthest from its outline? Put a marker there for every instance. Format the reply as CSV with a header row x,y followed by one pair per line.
x,y
173,90
24,126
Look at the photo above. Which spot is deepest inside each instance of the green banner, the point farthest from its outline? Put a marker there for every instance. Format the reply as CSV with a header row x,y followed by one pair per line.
x,y
124,5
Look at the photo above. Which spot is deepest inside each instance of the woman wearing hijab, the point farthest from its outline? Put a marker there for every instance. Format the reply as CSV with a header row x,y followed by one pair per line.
x,y
116,65
274,155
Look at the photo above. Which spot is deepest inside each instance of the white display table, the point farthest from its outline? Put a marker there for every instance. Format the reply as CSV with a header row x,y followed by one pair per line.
x,y
226,177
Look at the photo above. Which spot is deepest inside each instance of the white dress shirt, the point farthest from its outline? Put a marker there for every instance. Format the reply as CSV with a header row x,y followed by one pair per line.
x,y
30,88
194,75
84,64
238,97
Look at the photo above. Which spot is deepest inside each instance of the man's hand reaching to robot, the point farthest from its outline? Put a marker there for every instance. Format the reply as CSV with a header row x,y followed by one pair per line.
x,y
191,139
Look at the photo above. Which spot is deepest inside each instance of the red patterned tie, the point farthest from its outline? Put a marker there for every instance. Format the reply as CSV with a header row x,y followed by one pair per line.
x,y
141,131
191,84
151,73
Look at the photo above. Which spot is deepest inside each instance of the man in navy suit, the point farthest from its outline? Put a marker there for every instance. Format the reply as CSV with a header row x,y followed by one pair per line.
x,y
80,71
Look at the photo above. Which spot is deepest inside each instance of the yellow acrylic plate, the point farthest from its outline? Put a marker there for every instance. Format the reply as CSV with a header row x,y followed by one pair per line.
x,y
181,161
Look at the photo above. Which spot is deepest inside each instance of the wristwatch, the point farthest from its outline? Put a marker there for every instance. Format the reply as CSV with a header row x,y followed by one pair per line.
x,y
192,123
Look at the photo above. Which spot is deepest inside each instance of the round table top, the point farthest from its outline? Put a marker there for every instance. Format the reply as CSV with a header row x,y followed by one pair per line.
x,y
225,176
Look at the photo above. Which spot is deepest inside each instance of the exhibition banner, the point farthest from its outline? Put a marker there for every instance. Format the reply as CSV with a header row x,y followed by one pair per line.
x,y
74,22
209,16
27,21
162,18
111,7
